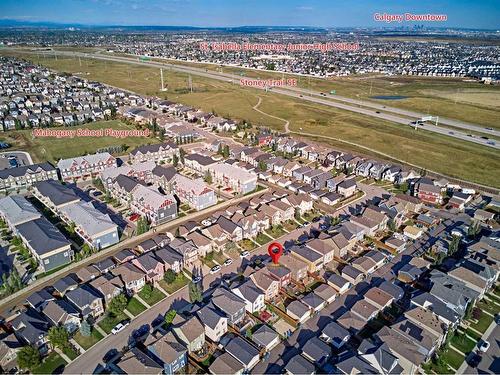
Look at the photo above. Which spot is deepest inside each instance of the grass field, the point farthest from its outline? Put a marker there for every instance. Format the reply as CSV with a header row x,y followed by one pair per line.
x,y
87,342
135,307
180,282
52,364
155,297
109,322
442,154
53,149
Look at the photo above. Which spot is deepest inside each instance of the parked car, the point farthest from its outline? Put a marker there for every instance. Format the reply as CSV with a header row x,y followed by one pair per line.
x,y
484,346
120,327
244,254
110,355
215,269
196,279
474,359
228,261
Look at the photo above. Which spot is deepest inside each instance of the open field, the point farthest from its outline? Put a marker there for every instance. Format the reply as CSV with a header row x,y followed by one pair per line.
x,y
53,149
443,154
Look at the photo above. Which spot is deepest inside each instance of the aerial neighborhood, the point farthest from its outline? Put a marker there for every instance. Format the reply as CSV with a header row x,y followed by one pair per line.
x,y
154,260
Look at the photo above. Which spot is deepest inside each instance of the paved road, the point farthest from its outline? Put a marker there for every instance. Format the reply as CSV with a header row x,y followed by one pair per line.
x,y
387,115
490,362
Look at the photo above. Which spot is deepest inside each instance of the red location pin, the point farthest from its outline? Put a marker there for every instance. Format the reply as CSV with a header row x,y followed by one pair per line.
x,y
275,250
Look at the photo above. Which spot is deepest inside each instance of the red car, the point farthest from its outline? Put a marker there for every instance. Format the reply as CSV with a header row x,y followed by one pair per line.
x,y
134,217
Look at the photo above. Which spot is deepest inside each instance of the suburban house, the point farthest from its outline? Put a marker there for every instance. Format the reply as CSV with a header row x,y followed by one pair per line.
x,y
85,167
152,267
335,334
133,278
16,210
252,295
108,286
46,243
243,351
298,311
156,152
62,313
226,364
214,322
233,178
265,337
169,353
21,178
86,301
267,283
196,193
297,267
191,333
54,195
232,306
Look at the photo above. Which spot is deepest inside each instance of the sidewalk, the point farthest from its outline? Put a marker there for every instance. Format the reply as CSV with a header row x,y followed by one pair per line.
x,y
485,337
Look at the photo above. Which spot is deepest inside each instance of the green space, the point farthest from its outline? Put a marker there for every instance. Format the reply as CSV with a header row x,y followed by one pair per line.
x,y
247,244
483,323
208,260
135,307
70,352
462,342
51,363
473,334
53,149
452,357
310,215
333,126
276,231
110,321
87,342
488,306
152,298
179,283
219,257
262,239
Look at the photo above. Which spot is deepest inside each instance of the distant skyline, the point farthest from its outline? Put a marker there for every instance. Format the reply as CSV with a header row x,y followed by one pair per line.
x,y
484,14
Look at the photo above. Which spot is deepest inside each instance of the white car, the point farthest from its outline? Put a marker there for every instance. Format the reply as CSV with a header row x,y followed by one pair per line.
x,y
228,261
484,346
215,269
196,279
244,254
206,223
119,327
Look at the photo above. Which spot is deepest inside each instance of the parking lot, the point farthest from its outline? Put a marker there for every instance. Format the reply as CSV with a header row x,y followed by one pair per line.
x,y
14,159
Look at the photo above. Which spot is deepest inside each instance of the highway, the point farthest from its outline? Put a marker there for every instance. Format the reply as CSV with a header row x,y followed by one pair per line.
x,y
366,108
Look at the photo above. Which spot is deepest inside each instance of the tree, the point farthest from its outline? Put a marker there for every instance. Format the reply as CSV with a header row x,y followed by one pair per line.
x,y
169,317
85,328
182,153
175,160
474,229
208,177
28,357
219,149
195,294
391,225
262,166
142,226
225,151
147,291
169,276
453,246
59,337
117,305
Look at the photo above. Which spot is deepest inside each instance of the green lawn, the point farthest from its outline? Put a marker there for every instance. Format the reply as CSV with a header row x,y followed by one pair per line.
x,y
208,261
276,231
52,149
290,226
87,342
179,283
155,297
219,257
109,322
483,323
452,357
262,239
53,362
462,342
488,306
247,244
473,334
71,353
135,307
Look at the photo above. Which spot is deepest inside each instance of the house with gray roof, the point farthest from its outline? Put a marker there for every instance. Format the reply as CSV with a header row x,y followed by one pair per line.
x,y
335,334
31,328
313,301
265,337
16,209
231,305
54,195
190,332
252,294
298,311
86,300
214,322
62,313
316,351
169,353
21,178
243,351
226,364
298,365
94,227
46,243
65,284
39,299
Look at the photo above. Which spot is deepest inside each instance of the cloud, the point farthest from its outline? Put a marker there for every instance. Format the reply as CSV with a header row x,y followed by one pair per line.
x,y
304,8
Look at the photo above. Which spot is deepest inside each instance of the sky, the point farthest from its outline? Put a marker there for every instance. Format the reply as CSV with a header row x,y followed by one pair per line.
x,y
484,14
